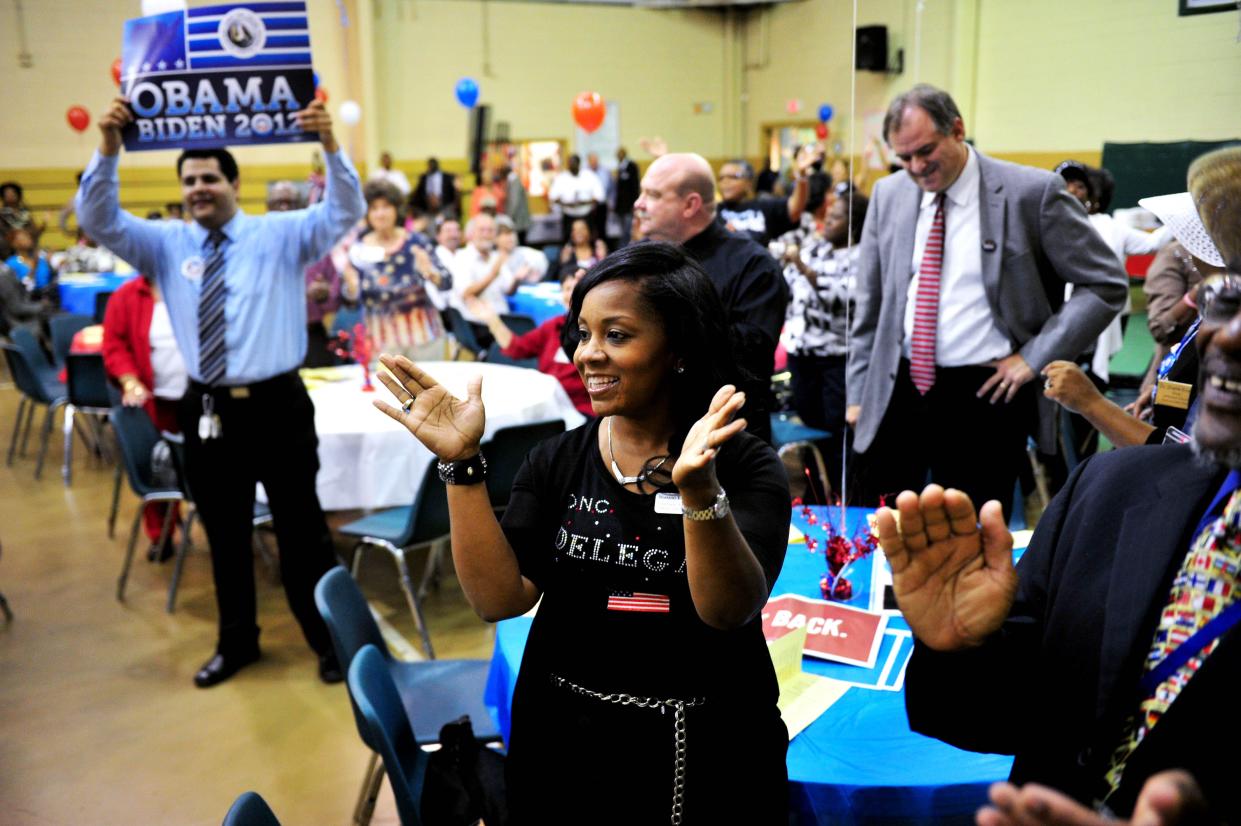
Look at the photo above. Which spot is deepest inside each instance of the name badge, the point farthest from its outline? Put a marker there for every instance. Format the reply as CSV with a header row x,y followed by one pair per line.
x,y
1173,394
669,503
192,268
369,253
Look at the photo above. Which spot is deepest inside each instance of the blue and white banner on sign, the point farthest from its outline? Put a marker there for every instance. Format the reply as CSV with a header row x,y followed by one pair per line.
x,y
217,76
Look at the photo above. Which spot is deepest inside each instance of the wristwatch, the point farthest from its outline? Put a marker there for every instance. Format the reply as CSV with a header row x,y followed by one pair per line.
x,y
716,510
469,471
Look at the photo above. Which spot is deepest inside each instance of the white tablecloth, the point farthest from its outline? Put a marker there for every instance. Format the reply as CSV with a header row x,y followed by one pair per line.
x,y
367,460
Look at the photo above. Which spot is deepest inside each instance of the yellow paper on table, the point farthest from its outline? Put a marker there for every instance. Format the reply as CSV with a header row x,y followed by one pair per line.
x,y
803,697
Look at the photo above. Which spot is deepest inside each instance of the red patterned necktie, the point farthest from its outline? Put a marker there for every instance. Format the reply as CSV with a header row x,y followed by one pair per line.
x,y
926,304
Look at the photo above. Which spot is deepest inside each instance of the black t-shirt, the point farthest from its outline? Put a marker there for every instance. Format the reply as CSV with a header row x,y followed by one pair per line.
x,y
597,551
590,545
751,285
762,218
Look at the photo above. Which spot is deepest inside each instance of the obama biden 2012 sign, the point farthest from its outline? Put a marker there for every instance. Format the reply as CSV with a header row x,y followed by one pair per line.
x,y
217,76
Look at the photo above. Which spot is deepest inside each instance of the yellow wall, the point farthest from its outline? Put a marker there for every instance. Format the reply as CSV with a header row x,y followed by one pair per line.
x,y
656,64
1076,73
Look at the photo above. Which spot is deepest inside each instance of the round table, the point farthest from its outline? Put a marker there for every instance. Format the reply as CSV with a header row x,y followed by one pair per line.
x,y
369,461
78,290
539,301
859,763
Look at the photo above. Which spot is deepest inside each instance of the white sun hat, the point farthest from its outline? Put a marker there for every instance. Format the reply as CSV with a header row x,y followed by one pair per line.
x,y
1179,213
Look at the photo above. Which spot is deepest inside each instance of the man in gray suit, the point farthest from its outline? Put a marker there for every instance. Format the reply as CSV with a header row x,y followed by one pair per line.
x,y
960,304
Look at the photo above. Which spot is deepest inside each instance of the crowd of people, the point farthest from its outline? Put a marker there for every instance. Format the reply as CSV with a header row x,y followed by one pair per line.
x,y
917,323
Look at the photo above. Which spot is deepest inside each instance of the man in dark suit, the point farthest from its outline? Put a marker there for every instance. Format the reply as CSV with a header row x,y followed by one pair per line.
x,y
436,192
960,302
677,205
626,191
1108,661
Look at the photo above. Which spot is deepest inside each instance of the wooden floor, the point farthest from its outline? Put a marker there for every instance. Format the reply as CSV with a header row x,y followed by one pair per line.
x,y
100,722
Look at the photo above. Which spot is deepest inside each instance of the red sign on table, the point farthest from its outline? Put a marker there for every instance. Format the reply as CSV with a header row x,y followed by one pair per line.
x,y
833,631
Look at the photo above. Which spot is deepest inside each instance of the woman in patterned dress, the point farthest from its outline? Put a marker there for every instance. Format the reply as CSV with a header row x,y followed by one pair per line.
x,y
388,270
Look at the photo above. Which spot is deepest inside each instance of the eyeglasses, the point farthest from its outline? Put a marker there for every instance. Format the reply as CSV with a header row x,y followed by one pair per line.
x,y
1219,298
733,176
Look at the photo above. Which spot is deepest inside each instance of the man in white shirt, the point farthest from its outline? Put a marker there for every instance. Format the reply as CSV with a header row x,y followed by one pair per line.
x,y
960,303
478,269
396,177
577,192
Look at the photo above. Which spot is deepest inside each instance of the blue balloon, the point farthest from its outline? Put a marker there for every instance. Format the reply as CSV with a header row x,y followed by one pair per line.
x,y
316,77
825,112
467,92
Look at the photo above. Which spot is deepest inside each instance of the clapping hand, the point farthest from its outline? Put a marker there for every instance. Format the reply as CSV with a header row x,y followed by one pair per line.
x,y
694,471
1170,798
954,579
449,427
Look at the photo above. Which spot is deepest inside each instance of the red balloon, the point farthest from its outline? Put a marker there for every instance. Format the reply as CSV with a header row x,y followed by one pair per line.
x,y
116,71
589,111
321,94
822,131
78,118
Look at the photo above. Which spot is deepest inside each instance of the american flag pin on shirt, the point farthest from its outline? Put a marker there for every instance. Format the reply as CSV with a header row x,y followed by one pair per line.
x,y
636,601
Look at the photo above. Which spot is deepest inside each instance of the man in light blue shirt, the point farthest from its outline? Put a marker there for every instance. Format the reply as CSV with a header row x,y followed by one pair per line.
x,y
235,292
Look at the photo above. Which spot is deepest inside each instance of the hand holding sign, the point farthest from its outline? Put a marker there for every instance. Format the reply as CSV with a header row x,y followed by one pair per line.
x,y
315,118
117,116
953,579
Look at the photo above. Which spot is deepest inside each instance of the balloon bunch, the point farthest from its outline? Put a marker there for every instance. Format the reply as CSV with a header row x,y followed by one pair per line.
x,y
358,347
825,114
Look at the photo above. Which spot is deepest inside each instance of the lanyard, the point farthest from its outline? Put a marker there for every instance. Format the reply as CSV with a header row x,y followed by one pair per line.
x,y
1216,627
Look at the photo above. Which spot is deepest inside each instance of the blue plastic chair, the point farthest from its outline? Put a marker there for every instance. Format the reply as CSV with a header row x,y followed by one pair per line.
x,y
434,692
505,452
88,393
518,323
390,734
463,332
101,306
38,387
495,355
397,529
250,809
64,328
789,433
136,436
28,343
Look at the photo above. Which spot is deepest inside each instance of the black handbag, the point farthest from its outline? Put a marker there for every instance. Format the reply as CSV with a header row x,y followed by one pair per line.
x,y
464,781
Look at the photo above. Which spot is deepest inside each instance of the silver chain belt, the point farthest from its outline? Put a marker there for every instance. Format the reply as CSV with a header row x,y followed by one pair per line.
x,y
678,722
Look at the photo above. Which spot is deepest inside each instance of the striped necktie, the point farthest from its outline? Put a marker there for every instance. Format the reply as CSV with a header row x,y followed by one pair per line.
x,y
926,304
212,355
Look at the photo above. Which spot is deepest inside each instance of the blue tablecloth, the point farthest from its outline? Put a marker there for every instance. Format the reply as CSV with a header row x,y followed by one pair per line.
x,y
78,291
539,301
859,763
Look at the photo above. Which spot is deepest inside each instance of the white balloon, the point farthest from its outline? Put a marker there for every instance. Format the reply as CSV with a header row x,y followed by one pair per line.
x,y
350,112
150,7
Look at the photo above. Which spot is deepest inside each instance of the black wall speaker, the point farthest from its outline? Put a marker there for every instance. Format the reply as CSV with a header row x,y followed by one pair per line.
x,y
872,48
480,119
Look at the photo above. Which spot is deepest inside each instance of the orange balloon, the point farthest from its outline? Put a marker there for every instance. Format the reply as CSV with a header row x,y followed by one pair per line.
x,y
116,71
321,94
589,111
78,118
